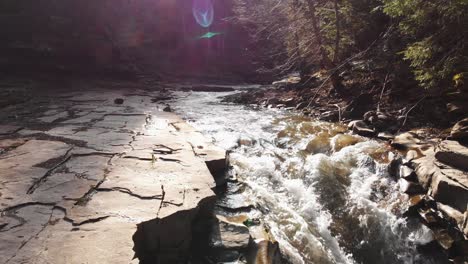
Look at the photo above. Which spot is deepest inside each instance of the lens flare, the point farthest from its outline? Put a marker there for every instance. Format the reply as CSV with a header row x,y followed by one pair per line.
x,y
203,12
209,35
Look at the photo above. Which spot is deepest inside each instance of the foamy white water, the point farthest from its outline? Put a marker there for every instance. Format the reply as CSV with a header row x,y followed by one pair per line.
x,y
324,194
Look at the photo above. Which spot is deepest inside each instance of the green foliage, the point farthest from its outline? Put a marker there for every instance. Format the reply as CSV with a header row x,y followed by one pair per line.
x,y
436,33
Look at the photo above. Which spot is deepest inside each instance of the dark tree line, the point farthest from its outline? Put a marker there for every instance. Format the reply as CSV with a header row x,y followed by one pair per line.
x,y
421,38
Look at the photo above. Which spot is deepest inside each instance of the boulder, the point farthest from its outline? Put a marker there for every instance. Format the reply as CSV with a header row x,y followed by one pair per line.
x,y
460,130
343,140
453,154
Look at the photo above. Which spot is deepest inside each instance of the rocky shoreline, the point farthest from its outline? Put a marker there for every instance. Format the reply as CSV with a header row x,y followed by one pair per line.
x,y
110,175
430,165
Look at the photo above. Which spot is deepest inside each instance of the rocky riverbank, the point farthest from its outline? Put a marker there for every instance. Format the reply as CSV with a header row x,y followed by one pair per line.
x,y
429,161
109,174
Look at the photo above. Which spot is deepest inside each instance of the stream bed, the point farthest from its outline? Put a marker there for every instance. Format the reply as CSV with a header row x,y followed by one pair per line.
x,y
324,194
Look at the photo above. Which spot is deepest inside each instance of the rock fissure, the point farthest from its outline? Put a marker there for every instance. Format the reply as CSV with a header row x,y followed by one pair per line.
x,y
43,178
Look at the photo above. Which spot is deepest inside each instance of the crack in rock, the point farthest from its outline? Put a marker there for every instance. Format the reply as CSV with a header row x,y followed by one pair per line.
x,y
129,192
42,179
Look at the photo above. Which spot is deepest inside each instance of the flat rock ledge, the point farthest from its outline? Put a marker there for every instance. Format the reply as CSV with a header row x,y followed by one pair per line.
x,y
84,179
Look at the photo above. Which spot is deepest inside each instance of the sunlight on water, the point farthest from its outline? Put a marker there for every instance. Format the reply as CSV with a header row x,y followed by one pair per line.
x,y
322,195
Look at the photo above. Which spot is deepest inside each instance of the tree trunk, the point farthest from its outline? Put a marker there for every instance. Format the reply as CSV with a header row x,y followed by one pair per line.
x,y
326,62
338,32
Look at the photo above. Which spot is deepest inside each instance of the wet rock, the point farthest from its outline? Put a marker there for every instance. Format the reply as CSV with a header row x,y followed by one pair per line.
x,y
407,173
245,141
444,238
234,203
394,166
453,153
452,214
460,130
227,235
119,101
266,252
167,108
415,203
343,140
361,128
430,217
410,187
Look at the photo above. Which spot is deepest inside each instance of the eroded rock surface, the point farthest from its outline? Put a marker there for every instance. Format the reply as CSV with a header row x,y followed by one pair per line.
x,y
86,180
437,169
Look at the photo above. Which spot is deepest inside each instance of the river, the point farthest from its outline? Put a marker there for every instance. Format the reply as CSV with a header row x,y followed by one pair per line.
x,y
324,194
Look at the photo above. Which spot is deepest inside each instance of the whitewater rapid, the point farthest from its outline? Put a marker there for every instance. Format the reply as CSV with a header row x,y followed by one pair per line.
x,y
324,194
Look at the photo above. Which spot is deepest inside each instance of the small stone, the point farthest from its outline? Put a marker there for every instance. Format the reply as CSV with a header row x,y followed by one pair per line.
x,y
119,101
167,109
415,203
